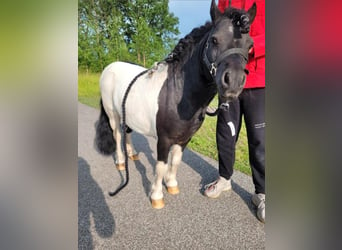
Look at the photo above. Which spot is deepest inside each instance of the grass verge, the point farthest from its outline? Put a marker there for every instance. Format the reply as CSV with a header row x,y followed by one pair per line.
x,y
89,89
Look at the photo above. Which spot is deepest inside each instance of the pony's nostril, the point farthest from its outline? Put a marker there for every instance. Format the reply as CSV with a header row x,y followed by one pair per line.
x,y
243,80
226,78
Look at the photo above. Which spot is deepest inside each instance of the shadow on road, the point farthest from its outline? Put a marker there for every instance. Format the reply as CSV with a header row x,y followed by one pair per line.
x,y
210,174
91,203
142,147
205,169
245,195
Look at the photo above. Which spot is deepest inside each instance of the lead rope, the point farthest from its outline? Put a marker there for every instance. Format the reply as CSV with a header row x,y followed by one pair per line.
x,y
124,132
211,111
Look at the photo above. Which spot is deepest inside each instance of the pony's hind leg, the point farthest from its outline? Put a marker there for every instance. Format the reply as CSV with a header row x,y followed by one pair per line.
x,y
175,158
119,156
132,154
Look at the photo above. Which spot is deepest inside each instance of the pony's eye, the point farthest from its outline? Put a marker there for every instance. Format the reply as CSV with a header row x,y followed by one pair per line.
x,y
214,40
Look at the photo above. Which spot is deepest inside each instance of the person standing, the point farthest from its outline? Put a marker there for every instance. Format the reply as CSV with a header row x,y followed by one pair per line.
x,y
251,105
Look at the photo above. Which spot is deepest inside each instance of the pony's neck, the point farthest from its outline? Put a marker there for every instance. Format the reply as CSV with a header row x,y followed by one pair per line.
x,y
197,76
199,88
205,71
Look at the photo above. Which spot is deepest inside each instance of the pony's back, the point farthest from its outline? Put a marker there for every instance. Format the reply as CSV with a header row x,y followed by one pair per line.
x,y
116,77
142,101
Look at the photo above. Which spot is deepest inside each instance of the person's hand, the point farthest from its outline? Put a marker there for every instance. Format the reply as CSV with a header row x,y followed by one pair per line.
x,y
211,111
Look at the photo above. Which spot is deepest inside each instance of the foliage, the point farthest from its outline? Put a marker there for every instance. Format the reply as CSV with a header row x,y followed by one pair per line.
x,y
140,31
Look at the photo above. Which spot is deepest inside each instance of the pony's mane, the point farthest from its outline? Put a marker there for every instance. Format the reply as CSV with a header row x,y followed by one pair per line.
x,y
185,45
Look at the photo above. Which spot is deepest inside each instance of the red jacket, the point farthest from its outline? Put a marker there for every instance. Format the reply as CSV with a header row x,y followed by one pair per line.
x,y
256,64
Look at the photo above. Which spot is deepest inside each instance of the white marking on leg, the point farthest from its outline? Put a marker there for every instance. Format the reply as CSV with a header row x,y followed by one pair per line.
x,y
175,158
130,149
157,188
232,128
114,121
119,156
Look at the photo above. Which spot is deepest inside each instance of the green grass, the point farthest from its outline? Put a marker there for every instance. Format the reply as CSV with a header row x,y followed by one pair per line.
x,y
89,89
204,141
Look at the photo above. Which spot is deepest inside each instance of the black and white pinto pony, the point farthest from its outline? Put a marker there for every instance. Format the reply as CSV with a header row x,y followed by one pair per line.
x,y
169,101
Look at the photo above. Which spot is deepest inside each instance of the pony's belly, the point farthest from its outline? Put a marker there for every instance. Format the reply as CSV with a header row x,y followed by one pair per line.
x,y
141,113
142,125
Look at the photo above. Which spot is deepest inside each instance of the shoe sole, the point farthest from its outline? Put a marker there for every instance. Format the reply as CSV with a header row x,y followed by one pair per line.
x,y
217,195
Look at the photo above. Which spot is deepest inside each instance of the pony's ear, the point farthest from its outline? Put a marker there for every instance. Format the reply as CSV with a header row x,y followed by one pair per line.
x,y
252,12
214,11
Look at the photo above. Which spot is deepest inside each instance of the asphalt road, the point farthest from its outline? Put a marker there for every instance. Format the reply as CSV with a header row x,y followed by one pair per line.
x,y
189,220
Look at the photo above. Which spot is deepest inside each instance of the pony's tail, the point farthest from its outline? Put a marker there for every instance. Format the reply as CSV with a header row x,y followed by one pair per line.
x,y
104,140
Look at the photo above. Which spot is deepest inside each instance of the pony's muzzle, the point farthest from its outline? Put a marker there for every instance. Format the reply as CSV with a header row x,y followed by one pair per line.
x,y
233,79
231,84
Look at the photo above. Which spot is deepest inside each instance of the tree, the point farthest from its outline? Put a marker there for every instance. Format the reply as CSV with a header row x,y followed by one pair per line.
x,y
141,31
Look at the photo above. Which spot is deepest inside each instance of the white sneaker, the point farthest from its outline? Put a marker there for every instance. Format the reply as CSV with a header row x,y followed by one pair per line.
x,y
214,189
259,201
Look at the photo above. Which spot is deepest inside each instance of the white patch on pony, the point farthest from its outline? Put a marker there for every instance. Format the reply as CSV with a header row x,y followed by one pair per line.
x,y
157,187
232,128
174,159
142,101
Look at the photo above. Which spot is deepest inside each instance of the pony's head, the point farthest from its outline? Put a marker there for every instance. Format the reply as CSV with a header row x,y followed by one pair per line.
x,y
226,50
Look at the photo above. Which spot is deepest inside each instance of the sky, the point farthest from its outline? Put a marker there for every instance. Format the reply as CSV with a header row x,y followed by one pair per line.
x,y
191,14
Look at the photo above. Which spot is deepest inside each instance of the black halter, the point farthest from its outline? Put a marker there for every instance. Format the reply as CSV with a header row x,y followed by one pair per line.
x,y
212,66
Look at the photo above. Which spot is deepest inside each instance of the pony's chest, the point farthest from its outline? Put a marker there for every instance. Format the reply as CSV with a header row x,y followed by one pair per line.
x,y
194,124
179,130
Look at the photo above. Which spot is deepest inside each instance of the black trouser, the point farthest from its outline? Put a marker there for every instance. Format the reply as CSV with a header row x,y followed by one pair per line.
x,y
250,104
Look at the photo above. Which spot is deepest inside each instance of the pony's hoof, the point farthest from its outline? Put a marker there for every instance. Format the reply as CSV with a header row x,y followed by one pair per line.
x,y
134,157
120,166
173,190
158,204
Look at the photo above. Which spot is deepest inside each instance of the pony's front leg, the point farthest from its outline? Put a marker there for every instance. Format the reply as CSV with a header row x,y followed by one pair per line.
x,y
157,187
175,158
